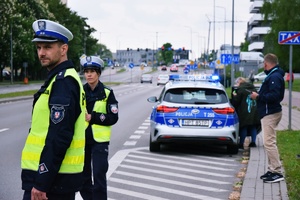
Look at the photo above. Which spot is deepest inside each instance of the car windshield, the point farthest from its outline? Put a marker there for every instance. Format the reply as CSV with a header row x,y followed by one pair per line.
x,y
195,96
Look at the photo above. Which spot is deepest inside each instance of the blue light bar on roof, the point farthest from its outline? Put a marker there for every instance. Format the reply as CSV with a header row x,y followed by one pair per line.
x,y
196,77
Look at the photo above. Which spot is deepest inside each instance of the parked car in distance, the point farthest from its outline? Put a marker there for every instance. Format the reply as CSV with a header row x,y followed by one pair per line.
x,y
5,74
162,79
174,68
260,76
146,78
164,68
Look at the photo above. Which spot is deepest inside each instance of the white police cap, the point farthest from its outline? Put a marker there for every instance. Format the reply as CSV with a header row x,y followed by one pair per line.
x,y
91,62
49,31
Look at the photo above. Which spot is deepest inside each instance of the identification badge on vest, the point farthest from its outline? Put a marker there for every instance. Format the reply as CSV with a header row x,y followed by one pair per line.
x,y
57,114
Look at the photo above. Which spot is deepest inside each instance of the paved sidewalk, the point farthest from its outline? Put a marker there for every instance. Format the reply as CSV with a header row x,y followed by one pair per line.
x,y
253,187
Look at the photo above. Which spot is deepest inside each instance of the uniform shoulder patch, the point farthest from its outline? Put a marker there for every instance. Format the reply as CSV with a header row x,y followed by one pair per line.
x,y
57,114
114,108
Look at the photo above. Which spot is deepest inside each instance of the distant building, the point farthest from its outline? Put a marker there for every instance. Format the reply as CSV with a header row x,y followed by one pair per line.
x,y
124,57
64,1
256,28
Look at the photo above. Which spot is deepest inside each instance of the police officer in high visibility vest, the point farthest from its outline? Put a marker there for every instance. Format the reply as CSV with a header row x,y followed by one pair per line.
x,y
102,113
53,156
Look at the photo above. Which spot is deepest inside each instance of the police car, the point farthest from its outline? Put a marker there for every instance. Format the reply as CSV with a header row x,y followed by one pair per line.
x,y
193,109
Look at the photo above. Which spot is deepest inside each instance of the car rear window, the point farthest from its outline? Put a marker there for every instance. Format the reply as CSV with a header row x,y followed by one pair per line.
x,y
195,96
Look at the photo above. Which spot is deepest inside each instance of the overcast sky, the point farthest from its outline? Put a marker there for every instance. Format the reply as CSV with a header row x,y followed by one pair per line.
x,y
123,24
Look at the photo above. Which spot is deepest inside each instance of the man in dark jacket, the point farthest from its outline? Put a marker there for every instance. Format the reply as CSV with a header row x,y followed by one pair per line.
x,y
269,97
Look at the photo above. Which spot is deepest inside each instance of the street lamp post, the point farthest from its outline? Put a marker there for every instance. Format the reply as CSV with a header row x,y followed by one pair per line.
x,y
11,56
232,46
204,47
191,38
224,40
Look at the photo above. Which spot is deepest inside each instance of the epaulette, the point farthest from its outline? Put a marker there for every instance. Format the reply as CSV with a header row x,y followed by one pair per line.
x,y
61,74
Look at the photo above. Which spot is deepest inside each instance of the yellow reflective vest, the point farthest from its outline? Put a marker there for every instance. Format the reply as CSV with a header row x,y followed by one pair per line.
x,y
74,158
101,133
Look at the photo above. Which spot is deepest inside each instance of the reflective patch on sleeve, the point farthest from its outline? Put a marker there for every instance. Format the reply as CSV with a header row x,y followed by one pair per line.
x,y
114,108
57,114
102,117
43,168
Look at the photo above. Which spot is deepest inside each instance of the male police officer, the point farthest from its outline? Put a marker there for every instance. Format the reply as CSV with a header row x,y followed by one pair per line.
x,y
102,113
53,155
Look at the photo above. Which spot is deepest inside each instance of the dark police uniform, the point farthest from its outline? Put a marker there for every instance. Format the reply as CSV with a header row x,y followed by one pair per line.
x,y
53,155
65,92
98,151
103,108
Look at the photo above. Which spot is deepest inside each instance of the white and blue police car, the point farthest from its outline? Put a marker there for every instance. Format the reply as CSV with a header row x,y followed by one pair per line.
x,y
193,109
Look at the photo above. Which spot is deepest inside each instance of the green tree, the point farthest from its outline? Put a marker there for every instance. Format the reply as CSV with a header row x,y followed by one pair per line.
x,y
17,17
281,15
166,54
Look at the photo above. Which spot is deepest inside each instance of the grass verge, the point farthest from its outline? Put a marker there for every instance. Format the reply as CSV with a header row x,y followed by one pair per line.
x,y
18,94
288,146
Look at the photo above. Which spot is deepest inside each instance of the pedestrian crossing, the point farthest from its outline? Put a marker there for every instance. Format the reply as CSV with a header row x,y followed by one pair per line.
x,y
145,175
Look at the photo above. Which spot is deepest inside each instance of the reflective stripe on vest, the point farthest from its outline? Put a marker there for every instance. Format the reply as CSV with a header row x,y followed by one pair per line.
x,y
101,133
74,158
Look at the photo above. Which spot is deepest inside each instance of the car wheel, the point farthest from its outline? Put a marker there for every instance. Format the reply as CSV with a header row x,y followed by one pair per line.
x,y
150,82
232,149
256,80
154,146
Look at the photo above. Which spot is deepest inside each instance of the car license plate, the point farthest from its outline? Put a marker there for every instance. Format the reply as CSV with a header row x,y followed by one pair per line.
x,y
195,122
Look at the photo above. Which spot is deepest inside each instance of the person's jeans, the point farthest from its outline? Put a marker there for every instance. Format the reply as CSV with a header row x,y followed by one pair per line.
x,y
96,166
244,131
268,124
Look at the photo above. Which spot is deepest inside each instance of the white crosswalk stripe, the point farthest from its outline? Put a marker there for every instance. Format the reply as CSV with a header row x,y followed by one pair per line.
x,y
180,176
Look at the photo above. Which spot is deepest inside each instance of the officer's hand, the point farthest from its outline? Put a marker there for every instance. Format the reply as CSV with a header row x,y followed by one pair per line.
x,y
88,117
38,195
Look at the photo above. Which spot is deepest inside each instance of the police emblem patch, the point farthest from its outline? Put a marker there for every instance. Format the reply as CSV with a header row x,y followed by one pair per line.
x,y
114,108
102,117
42,25
88,59
43,168
57,114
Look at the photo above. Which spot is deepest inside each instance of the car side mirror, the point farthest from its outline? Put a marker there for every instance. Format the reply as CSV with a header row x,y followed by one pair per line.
x,y
152,99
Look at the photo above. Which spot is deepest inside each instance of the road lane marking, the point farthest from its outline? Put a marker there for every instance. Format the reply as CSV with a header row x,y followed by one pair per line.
x,y
163,189
143,127
4,129
180,163
139,132
136,137
134,194
185,176
130,143
168,181
178,168
199,159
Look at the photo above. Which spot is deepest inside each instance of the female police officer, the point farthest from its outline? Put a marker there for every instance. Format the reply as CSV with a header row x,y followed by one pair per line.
x,y
102,113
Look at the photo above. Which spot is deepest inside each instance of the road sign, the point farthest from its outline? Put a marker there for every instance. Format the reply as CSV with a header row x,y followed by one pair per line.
x,y
131,65
289,37
109,63
226,59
